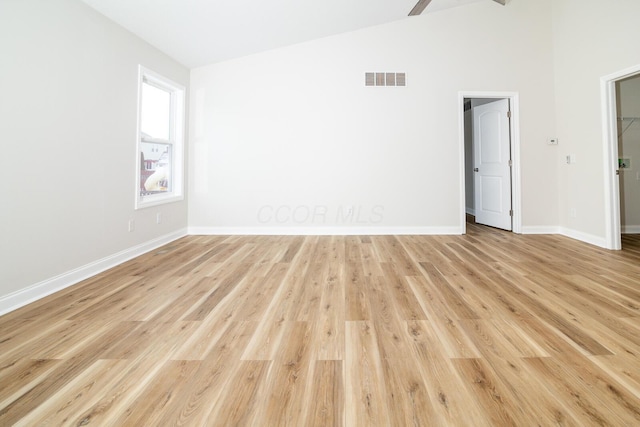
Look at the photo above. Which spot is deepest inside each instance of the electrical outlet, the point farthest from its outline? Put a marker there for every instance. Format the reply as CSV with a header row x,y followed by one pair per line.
x,y
132,225
573,213
158,218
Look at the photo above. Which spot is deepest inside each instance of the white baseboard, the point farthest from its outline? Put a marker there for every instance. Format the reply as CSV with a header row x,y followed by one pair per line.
x,y
323,231
630,229
40,290
584,237
567,232
470,211
540,229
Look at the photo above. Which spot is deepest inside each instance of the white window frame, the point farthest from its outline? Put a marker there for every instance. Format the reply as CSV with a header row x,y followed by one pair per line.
x,y
176,139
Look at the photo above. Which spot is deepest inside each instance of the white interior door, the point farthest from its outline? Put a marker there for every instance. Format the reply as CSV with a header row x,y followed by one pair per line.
x,y
492,164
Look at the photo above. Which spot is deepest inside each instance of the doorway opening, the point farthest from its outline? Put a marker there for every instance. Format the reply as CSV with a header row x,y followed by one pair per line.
x,y
612,167
490,147
628,122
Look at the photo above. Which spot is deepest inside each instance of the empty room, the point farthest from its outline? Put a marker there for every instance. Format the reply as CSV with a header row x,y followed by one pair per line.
x,y
315,213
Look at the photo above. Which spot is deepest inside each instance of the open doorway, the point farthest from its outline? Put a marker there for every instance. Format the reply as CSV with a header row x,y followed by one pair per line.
x,y
611,133
490,167
628,122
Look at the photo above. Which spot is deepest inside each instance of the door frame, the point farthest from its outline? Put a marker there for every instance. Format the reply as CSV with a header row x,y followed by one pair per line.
x,y
613,228
514,129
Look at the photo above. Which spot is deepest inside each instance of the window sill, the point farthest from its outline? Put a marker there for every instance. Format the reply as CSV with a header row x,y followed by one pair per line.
x,y
156,200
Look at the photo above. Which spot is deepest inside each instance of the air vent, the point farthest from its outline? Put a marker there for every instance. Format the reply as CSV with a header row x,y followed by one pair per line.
x,y
369,79
390,79
385,79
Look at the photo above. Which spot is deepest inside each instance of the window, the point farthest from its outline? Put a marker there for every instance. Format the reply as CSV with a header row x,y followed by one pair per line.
x,y
160,140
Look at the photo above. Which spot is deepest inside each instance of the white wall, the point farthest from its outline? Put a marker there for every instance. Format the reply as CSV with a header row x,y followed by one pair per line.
x,y
68,85
628,96
592,39
297,128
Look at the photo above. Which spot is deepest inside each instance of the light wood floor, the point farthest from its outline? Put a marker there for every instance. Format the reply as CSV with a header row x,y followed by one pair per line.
x,y
487,329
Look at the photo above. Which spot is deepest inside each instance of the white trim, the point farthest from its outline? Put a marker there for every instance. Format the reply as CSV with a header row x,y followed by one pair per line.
x,y
631,229
567,232
584,237
40,290
516,183
610,155
470,211
541,229
323,231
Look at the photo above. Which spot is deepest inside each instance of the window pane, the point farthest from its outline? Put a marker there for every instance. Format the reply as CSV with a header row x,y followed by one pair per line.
x,y
155,168
156,112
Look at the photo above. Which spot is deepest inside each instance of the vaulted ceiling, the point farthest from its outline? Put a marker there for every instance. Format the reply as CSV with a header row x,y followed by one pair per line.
x,y
201,32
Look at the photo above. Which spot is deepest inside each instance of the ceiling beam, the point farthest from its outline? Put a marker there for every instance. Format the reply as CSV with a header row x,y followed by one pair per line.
x,y
419,7
502,2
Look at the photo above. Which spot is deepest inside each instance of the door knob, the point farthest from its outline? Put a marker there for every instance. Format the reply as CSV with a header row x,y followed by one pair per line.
x,y
476,170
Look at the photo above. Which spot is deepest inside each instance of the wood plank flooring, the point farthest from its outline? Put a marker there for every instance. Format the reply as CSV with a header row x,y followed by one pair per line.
x,y
486,329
